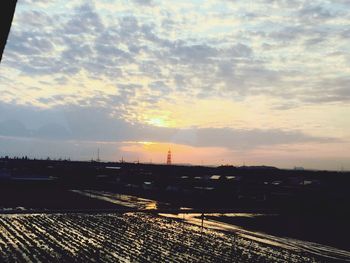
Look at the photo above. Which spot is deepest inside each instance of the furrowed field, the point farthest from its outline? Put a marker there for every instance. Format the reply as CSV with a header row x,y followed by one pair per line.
x,y
131,237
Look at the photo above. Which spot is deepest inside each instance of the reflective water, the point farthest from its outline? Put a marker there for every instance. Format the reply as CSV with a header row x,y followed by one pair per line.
x,y
196,219
124,200
282,242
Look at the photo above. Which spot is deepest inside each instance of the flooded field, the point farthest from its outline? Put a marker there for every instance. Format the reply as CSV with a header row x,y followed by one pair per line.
x,y
122,199
131,237
328,230
273,232
144,234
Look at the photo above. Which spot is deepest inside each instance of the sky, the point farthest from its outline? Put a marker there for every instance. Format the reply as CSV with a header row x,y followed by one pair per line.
x,y
261,82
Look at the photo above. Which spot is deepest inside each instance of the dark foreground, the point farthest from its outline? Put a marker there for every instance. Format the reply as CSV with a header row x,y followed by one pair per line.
x,y
330,231
61,225
60,211
131,237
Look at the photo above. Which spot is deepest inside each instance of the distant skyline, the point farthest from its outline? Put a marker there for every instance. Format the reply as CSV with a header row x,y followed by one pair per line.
x,y
261,82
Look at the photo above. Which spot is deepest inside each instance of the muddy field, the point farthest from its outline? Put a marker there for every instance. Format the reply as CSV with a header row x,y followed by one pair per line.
x,y
131,237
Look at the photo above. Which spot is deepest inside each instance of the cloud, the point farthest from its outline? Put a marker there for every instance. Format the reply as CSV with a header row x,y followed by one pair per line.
x,y
125,46
31,2
329,90
85,20
34,19
315,13
96,124
13,128
25,43
144,2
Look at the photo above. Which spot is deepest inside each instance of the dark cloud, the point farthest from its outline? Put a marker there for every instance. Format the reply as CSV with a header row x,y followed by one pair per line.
x,y
31,2
287,33
52,130
35,19
13,128
200,53
61,80
160,86
314,41
310,13
328,90
238,51
242,139
28,43
144,2
346,33
97,124
284,3
85,20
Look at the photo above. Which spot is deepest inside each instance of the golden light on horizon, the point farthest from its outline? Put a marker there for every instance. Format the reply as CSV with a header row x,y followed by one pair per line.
x,y
157,151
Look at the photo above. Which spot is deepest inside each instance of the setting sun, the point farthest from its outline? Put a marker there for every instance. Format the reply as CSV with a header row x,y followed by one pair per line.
x,y
159,122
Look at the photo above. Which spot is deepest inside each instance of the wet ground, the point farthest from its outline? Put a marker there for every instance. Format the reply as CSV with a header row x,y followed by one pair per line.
x,y
244,225
148,236
130,237
328,230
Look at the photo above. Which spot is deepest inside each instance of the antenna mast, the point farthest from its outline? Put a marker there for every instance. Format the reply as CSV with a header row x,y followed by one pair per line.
x,y
168,160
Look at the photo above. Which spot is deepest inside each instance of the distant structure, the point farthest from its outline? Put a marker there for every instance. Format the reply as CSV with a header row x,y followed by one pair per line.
x,y
98,155
168,159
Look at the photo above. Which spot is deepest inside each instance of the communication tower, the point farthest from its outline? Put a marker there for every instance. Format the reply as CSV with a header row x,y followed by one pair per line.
x,y
168,159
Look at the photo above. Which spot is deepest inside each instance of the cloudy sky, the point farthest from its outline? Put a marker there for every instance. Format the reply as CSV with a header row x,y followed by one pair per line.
x,y
217,81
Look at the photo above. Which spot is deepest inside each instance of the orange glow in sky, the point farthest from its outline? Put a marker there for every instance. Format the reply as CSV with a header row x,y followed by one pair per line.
x,y
181,154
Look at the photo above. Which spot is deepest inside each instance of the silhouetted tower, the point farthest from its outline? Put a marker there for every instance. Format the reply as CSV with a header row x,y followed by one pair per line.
x,y
98,155
168,159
